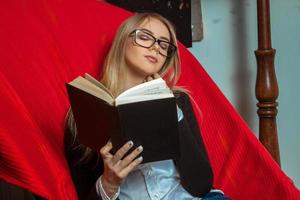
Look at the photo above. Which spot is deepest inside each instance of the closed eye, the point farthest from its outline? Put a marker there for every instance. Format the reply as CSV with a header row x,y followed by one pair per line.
x,y
144,37
164,45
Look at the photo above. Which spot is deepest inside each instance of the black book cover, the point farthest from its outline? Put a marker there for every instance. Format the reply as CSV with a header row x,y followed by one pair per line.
x,y
152,124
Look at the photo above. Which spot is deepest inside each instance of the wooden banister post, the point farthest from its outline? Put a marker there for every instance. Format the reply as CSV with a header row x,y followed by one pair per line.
x,y
266,88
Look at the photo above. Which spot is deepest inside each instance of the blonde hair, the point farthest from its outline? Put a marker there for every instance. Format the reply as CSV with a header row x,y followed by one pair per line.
x,y
170,71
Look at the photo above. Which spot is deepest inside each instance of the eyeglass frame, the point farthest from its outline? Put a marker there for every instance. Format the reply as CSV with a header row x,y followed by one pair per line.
x,y
155,40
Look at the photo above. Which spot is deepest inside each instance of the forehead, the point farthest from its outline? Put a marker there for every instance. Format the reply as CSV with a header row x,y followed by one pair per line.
x,y
155,26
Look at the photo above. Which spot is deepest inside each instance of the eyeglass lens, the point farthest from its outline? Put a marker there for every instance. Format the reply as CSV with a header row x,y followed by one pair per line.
x,y
147,40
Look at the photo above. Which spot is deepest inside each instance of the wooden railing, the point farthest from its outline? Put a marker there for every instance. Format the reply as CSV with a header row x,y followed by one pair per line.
x,y
266,83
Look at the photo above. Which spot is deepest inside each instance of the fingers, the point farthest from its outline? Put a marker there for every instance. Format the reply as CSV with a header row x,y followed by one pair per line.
x,y
149,78
128,159
152,77
131,166
116,169
121,152
156,75
104,151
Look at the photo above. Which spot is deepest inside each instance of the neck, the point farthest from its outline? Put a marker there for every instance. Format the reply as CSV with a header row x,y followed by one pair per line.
x,y
128,79
129,83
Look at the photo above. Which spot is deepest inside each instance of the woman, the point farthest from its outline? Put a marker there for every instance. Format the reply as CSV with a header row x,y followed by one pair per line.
x,y
144,49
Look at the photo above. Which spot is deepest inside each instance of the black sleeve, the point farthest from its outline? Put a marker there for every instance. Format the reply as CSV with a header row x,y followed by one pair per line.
x,y
84,173
193,165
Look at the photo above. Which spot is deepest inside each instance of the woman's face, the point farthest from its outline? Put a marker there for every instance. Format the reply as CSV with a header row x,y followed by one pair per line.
x,y
142,62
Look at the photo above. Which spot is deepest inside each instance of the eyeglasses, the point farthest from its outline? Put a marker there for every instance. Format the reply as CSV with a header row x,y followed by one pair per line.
x,y
147,40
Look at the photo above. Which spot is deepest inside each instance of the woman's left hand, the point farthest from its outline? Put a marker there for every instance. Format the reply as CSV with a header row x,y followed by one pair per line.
x,y
152,77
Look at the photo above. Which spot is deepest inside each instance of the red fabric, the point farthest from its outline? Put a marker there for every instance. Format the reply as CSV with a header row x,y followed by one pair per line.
x,y
45,44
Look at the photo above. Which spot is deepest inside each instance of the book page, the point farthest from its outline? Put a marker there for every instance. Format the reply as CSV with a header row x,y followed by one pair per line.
x,y
139,98
156,86
98,83
155,89
85,85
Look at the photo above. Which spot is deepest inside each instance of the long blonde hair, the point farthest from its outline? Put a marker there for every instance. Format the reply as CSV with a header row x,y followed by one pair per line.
x,y
110,76
170,71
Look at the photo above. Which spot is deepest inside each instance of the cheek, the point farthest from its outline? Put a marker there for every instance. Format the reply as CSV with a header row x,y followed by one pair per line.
x,y
161,63
130,54
133,52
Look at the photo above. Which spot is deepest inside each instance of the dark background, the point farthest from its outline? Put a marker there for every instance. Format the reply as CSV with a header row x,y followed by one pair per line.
x,y
177,11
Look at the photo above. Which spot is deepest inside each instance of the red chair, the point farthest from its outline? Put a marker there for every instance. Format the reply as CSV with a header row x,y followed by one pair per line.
x,y
45,44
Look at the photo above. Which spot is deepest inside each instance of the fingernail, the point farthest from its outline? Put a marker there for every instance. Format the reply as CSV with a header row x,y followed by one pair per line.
x,y
140,158
130,143
140,148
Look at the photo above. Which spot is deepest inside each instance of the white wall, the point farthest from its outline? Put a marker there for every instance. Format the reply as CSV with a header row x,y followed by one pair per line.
x,y
227,53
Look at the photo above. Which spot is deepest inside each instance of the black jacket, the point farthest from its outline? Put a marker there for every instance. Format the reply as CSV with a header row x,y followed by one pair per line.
x,y
193,165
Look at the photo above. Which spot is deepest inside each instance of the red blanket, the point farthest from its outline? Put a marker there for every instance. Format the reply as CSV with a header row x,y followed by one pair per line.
x,y
46,43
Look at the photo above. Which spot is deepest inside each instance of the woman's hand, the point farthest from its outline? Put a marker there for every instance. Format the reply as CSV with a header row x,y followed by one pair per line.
x,y
152,77
115,169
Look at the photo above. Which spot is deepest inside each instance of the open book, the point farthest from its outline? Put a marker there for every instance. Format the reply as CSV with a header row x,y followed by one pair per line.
x,y
145,114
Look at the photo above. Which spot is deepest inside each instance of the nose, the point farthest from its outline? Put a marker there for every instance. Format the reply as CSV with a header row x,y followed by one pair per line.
x,y
155,47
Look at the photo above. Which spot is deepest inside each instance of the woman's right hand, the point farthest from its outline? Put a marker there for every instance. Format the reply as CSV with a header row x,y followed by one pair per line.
x,y
116,169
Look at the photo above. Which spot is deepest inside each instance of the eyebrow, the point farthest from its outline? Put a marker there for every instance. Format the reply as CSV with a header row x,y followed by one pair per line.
x,y
148,31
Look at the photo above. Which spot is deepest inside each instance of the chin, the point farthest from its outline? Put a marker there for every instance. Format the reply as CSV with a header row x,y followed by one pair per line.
x,y
154,69
146,74
145,70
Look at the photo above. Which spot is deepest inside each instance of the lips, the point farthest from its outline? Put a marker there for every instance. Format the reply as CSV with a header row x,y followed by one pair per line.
x,y
152,59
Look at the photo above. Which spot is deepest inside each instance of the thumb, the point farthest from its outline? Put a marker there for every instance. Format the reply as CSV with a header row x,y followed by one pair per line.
x,y
156,76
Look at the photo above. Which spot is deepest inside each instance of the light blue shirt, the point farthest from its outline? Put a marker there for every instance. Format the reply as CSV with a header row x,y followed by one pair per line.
x,y
155,180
